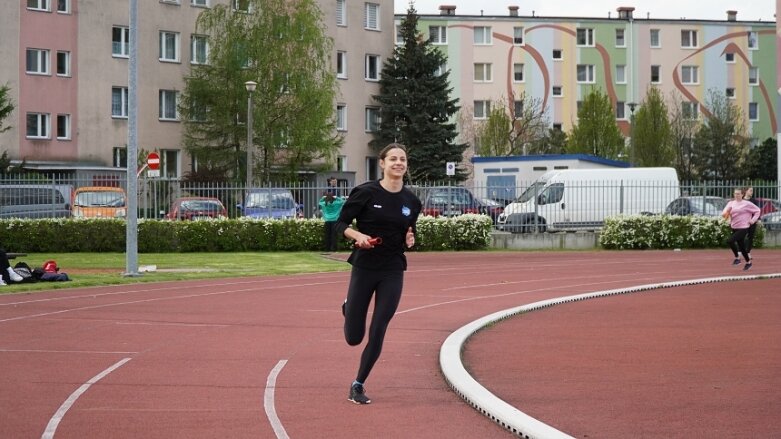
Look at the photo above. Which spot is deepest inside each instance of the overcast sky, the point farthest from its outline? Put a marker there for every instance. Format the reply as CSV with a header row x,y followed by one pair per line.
x,y
748,10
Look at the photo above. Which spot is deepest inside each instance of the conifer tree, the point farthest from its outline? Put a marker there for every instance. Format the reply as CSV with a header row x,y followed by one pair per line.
x,y
416,108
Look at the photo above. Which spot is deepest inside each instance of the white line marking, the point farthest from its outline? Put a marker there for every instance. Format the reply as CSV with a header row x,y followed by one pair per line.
x,y
268,401
42,351
55,420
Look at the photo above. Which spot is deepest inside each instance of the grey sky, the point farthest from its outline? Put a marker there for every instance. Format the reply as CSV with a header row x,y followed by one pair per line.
x,y
748,10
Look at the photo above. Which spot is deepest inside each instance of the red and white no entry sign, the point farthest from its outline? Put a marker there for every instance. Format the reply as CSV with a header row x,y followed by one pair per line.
x,y
153,161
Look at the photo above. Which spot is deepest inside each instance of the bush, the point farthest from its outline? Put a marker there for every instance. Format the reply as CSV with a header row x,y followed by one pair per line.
x,y
668,231
467,232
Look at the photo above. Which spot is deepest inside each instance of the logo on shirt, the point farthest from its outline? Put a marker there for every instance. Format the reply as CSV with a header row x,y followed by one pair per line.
x,y
405,211
378,206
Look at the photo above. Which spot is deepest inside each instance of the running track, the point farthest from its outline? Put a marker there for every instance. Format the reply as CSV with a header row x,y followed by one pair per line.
x,y
265,357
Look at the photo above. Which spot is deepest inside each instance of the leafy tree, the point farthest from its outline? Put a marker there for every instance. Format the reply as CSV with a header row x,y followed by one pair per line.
x,y
512,130
596,131
651,133
721,144
553,142
762,163
281,45
6,106
683,129
416,108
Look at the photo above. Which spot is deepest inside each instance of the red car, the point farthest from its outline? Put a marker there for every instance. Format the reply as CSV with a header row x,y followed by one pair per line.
x,y
196,208
766,205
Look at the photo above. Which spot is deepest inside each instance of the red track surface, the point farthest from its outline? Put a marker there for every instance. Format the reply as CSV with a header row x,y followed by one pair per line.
x,y
201,352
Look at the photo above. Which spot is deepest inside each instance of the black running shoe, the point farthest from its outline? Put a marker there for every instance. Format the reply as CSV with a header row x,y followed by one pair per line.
x,y
736,261
747,266
344,305
358,396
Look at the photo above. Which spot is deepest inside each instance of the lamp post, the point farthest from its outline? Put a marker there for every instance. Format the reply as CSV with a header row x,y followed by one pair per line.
x,y
250,85
632,106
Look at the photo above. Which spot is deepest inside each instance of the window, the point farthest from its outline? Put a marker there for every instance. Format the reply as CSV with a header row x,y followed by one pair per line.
x,y
482,35
372,123
656,74
341,64
372,168
620,40
441,70
620,74
753,40
585,73
730,92
753,75
120,41
169,46
372,71
371,17
38,5
729,57
557,91
518,72
688,39
620,110
199,49
585,37
341,163
341,13
175,2
578,106
63,63
690,74
119,102
341,117
437,34
119,157
167,108
169,163
38,61
63,126
483,72
64,6
518,109
201,3
37,125
753,111
241,5
482,109
557,126
690,110
656,41
557,55
518,36
399,36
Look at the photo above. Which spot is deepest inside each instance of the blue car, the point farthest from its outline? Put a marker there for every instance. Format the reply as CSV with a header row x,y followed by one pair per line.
x,y
270,204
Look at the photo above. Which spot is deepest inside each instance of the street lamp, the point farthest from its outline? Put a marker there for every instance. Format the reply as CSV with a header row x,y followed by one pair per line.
x,y
250,85
632,106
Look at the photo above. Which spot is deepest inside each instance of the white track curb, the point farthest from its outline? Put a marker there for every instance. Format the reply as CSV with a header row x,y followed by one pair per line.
x,y
509,417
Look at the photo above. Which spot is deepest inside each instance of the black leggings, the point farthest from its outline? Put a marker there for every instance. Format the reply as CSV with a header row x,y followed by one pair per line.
x,y
386,287
330,236
4,264
737,242
752,229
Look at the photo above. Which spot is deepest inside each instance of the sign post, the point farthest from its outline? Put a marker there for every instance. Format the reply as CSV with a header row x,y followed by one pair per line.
x,y
153,163
450,168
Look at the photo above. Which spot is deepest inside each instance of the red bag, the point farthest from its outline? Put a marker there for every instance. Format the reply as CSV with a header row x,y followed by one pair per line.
x,y
50,267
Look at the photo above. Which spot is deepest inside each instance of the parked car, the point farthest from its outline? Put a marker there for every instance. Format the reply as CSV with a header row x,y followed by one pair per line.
x,y
772,221
766,205
196,208
35,200
271,203
449,201
697,205
99,202
490,207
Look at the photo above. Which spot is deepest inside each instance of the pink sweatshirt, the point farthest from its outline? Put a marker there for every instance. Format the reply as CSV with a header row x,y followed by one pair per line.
x,y
742,213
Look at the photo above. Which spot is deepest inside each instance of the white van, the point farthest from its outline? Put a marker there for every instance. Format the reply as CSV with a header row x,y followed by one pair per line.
x,y
581,199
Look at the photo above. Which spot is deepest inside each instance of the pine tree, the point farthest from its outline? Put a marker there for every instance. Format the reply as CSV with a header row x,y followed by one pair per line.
x,y
416,108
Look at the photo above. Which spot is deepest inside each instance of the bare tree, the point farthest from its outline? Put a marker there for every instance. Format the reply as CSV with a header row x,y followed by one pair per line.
x,y
683,128
511,129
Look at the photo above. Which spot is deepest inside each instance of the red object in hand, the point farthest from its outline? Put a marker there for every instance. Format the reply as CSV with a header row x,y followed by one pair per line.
x,y
373,241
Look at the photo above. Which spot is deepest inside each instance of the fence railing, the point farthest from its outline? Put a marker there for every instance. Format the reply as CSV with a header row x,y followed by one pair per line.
x,y
527,206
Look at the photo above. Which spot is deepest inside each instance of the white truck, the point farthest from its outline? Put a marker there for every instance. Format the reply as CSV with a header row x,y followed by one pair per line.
x,y
581,199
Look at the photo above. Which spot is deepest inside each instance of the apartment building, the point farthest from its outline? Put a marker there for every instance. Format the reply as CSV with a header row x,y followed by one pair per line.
x,y
558,60
66,62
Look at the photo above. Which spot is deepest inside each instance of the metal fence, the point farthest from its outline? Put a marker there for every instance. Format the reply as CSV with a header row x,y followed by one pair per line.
x,y
528,206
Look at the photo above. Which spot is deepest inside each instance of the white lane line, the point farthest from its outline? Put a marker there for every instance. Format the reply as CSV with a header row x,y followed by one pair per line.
x,y
44,351
55,420
268,401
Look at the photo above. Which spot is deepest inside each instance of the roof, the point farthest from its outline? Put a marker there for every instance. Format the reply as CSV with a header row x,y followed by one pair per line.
x,y
551,157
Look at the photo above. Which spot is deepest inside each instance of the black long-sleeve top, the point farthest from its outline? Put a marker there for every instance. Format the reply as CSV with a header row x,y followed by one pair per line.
x,y
383,214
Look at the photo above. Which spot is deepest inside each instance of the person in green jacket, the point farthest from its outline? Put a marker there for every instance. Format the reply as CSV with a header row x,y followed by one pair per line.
x,y
331,206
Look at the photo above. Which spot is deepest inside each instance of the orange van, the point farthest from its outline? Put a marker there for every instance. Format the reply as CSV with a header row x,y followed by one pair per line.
x,y
99,202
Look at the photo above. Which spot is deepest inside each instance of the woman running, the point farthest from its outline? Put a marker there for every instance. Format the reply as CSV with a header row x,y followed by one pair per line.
x,y
742,214
748,195
387,210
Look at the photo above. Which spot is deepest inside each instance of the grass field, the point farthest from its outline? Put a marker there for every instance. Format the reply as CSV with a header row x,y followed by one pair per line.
x,y
95,269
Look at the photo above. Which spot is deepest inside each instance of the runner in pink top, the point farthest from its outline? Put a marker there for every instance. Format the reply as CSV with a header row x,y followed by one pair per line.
x,y
742,214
